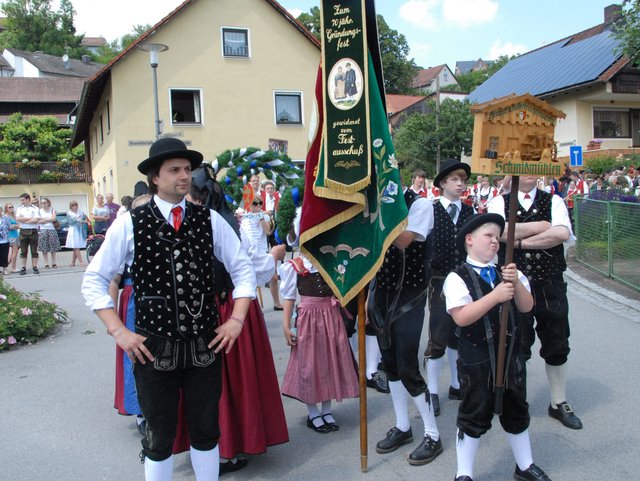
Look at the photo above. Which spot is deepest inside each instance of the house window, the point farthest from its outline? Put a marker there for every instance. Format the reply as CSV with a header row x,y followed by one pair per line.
x,y
445,77
108,117
95,135
186,106
101,130
235,42
611,124
288,108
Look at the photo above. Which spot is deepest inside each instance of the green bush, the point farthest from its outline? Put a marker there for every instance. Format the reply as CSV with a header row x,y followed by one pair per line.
x,y
25,318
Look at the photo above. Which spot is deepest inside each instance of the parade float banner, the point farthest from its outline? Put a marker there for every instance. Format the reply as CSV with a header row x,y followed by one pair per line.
x,y
353,206
514,135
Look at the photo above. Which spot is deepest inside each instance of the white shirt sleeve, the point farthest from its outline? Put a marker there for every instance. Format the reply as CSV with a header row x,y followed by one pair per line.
x,y
559,213
456,292
288,281
116,250
228,249
420,219
496,206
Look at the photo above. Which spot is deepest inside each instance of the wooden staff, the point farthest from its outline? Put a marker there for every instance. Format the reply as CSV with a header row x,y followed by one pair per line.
x,y
362,362
504,313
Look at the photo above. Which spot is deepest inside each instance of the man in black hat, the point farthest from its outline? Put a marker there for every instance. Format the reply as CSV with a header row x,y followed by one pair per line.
x,y
542,225
449,214
170,245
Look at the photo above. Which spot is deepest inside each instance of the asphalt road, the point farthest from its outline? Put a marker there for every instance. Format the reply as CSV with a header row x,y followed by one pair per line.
x,y
57,422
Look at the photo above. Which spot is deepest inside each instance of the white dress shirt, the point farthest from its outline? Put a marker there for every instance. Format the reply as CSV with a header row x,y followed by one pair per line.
x,y
420,220
118,248
446,203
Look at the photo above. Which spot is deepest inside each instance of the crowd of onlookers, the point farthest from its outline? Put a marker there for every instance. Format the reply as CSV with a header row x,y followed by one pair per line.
x,y
32,228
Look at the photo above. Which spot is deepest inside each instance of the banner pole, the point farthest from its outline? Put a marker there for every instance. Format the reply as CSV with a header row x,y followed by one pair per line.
x,y
362,377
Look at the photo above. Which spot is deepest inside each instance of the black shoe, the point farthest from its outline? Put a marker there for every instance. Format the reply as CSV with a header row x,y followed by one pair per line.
x,y
232,465
532,473
565,415
23,271
394,439
142,428
36,271
463,478
454,393
322,429
276,308
435,404
332,425
427,451
379,383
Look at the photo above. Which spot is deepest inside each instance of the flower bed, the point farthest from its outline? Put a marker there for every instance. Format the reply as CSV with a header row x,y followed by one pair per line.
x,y
25,318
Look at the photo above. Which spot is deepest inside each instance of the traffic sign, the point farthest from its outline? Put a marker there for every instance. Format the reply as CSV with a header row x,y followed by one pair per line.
x,y
575,153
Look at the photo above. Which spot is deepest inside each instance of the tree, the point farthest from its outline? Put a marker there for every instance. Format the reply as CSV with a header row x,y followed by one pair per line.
x,y
394,50
106,53
416,141
33,26
39,138
471,80
627,30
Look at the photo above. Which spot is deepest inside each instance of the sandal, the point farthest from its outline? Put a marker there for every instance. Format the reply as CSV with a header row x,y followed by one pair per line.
x,y
331,424
46,266
322,429
55,266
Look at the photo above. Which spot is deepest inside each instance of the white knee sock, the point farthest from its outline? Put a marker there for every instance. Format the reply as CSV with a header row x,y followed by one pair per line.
x,y
521,448
557,376
399,396
206,464
158,470
373,355
314,412
466,449
434,366
428,418
452,356
326,411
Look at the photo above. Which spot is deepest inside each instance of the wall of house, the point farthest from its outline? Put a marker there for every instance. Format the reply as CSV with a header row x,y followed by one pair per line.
x,y
237,94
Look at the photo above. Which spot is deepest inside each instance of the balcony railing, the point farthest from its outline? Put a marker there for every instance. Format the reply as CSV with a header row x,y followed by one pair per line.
x,y
44,173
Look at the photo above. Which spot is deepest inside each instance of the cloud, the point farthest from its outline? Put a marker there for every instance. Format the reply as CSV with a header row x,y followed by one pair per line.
x,y
420,13
420,52
499,48
295,12
464,13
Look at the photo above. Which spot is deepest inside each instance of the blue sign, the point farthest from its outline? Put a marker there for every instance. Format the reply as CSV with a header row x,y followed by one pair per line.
x,y
575,153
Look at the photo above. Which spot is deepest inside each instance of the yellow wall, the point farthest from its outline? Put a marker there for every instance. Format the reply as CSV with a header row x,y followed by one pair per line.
x,y
237,94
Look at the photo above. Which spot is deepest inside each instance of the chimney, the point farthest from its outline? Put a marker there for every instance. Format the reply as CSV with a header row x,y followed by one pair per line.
x,y
612,13
86,59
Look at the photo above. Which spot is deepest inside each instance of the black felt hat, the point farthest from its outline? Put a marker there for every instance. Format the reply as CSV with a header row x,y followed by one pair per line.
x,y
475,221
169,148
448,166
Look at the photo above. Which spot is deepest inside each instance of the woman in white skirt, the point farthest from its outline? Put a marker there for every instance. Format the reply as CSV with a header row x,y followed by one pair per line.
x,y
76,238
48,241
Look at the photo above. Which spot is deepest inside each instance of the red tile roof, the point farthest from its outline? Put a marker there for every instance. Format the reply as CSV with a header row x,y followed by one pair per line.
x,y
45,89
397,103
425,76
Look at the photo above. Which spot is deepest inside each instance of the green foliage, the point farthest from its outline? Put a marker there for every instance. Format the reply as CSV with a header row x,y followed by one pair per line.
x,y
241,164
38,138
33,26
628,30
109,51
607,163
416,141
471,80
287,209
25,318
394,50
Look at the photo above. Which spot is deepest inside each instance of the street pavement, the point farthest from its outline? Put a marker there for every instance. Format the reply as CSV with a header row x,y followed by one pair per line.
x,y
57,421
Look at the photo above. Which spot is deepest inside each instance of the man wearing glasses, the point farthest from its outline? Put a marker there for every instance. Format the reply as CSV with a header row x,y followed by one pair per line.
x,y
27,216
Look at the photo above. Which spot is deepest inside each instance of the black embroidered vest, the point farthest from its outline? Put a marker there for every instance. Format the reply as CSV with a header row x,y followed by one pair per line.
x,y
415,266
445,256
536,264
173,274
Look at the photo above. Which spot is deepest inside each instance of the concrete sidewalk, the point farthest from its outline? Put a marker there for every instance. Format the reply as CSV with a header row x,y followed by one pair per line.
x,y
58,421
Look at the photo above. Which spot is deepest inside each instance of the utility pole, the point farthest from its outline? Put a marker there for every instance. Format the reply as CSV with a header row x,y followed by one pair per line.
x,y
438,122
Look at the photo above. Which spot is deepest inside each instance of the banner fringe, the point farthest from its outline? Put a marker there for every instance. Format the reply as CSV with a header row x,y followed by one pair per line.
x,y
347,189
328,224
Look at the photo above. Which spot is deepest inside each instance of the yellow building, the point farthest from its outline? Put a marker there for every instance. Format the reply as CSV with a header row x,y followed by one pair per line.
x,y
237,73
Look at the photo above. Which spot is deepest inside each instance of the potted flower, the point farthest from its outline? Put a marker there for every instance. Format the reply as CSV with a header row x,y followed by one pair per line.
x,y
7,178
28,163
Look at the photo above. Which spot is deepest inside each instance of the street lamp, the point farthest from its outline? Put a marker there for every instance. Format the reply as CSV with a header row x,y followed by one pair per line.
x,y
154,49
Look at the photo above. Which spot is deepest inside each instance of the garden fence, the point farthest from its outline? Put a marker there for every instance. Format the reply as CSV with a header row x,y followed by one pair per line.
x,y
608,238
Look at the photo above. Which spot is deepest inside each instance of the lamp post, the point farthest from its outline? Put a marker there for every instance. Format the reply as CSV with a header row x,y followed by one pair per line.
x,y
153,49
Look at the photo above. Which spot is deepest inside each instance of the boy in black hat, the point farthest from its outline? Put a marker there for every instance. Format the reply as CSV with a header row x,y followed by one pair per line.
x,y
449,214
170,245
474,294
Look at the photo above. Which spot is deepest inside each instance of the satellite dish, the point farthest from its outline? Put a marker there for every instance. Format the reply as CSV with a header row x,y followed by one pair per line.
x,y
65,60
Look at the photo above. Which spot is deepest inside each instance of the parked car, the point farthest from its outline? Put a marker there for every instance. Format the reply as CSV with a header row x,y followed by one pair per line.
x,y
64,228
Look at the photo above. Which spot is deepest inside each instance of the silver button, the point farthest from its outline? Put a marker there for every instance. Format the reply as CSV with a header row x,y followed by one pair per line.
x,y
181,303
182,317
182,328
180,290
179,265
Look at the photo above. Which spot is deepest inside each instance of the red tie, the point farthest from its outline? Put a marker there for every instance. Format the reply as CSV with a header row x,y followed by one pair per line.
x,y
177,217
527,196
